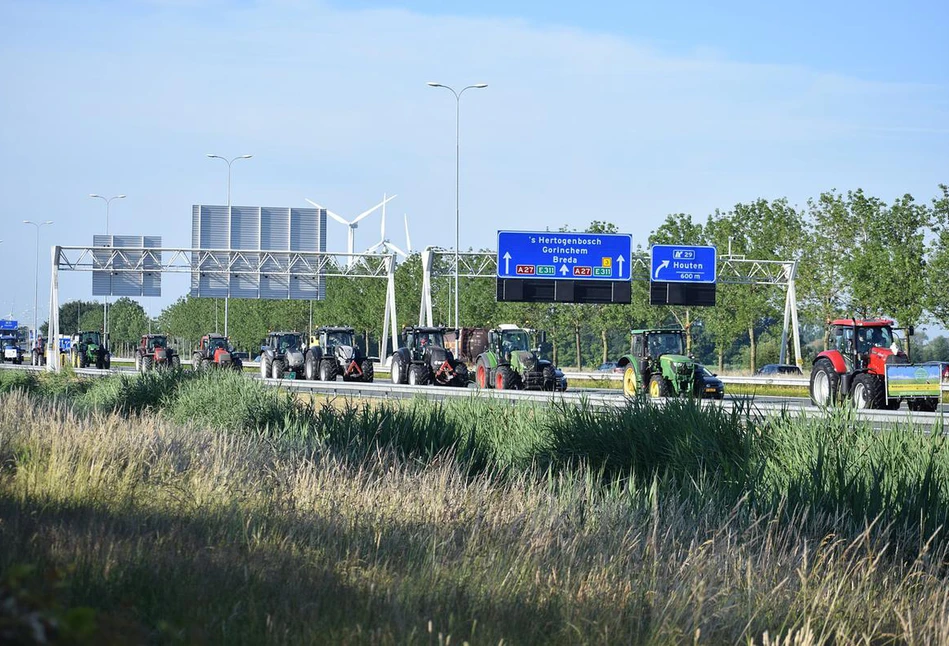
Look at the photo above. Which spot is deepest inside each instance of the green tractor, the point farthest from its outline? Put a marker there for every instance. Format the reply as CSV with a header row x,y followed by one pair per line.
x,y
657,364
88,349
510,363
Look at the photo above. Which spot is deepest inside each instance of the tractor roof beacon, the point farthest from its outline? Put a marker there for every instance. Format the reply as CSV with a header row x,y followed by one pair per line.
x,y
423,359
858,364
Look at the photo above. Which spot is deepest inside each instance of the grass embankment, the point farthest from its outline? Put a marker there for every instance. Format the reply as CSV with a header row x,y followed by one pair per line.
x,y
205,509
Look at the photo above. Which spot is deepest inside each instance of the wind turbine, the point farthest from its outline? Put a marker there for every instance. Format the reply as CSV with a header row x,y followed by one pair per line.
x,y
384,242
408,240
353,224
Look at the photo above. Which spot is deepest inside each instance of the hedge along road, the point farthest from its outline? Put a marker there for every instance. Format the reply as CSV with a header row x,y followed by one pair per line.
x,y
600,398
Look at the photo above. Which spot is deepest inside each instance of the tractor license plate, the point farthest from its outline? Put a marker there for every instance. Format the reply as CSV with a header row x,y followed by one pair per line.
x,y
290,375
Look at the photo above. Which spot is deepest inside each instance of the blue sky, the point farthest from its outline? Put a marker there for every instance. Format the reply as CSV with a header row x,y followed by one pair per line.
x,y
612,111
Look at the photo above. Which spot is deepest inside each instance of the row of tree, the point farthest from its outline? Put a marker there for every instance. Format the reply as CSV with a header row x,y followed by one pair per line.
x,y
857,255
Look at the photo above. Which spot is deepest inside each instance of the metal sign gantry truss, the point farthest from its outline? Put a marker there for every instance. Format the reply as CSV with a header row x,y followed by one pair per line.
x,y
732,270
302,265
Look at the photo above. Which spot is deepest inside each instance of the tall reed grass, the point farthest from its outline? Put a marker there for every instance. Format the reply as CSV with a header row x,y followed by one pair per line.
x,y
217,511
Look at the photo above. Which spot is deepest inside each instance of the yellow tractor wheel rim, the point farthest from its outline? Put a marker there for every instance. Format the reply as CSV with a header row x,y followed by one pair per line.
x,y
629,382
654,389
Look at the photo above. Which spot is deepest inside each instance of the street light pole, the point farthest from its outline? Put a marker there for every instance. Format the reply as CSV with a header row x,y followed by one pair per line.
x,y
105,305
477,86
228,162
36,271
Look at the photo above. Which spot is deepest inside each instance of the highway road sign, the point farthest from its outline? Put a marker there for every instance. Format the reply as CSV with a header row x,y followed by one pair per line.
x,y
682,264
8,325
554,255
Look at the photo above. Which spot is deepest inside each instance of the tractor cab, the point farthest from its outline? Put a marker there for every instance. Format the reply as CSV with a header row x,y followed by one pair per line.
x,y
507,340
420,340
213,342
656,343
865,345
154,342
331,338
286,342
90,338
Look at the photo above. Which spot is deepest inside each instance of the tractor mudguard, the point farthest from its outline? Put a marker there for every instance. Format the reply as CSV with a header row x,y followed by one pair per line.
x,y
489,359
317,353
835,358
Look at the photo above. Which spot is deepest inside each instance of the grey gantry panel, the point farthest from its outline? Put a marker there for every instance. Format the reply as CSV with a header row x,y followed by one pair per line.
x,y
256,264
118,272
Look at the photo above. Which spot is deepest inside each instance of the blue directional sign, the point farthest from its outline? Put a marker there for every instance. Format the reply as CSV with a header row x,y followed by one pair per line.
x,y
6,325
672,263
545,254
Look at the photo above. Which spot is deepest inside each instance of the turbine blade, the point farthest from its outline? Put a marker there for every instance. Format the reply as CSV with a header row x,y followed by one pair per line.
x,y
397,250
367,212
408,240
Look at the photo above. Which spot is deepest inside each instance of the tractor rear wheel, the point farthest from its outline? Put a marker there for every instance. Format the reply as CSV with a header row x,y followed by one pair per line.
x,y
505,378
276,370
368,371
868,392
327,370
481,375
395,370
630,385
658,387
825,383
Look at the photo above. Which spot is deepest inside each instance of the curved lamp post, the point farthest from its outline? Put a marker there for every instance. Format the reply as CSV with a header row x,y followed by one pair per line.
x,y
457,95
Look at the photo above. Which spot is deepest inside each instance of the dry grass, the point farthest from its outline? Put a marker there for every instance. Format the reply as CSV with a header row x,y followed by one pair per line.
x,y
178,534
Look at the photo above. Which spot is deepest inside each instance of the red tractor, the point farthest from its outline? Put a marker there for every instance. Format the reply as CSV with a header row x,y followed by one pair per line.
x,y
154,352
214,350
865,364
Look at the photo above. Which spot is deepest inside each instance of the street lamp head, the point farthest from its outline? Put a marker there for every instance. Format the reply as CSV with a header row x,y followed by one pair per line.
x,y
120,197
47,222
434,84
480,85
28,222
214,156
245,156
95,195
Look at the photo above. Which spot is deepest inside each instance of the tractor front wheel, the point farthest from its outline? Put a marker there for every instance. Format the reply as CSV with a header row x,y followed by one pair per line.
x,y
309,368
481,375
825,383
368,371
630,385
868,392
658,387
146,364
264,367
505,378
277,369
327,370
176,362
419,375
196,361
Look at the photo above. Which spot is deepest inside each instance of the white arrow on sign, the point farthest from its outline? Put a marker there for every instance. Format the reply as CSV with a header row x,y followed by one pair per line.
x,y
507,262
620,260
563,270
662,265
